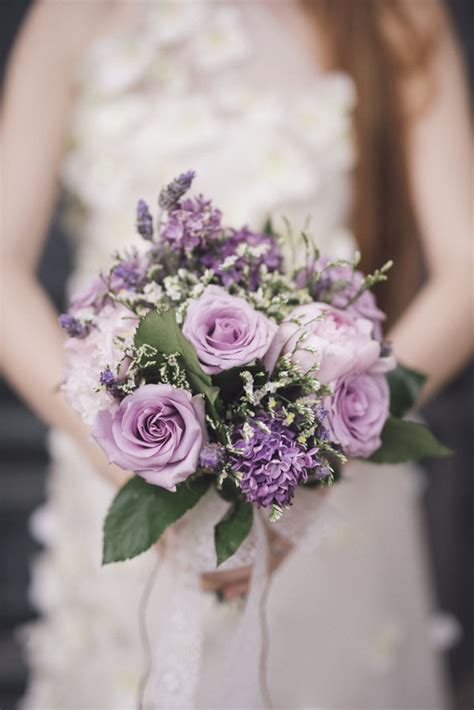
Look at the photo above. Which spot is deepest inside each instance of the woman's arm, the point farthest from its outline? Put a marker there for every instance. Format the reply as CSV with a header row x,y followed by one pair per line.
x,y
35,118
435,334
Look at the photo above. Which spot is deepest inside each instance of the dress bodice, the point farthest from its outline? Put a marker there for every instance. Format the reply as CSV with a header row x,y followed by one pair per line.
x,y
219,87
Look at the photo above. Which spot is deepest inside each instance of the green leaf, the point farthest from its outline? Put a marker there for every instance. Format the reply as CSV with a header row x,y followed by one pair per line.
x,y
405,385
162,332
141,512
232,529
230,383
268,227
407,441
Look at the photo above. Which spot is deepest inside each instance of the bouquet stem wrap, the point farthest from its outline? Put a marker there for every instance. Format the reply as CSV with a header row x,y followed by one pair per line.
x,y
247,649
231,675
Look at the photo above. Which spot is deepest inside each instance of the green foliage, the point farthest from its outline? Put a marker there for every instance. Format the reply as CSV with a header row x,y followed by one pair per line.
x,y
230,381
268,227
407,441
405,385
141,512
232,529
161,331
371,280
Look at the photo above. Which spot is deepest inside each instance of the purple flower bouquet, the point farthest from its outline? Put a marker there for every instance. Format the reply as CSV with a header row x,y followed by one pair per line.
x,y
199,362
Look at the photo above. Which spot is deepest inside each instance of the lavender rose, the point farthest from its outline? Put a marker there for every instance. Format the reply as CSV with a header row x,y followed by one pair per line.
x,y
226,331
357,413
319,336
157,431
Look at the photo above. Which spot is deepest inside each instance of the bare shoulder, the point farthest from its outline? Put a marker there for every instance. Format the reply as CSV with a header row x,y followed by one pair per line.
x,y
61,30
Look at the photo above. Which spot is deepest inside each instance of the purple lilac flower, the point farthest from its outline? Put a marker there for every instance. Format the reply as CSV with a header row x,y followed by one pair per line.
x,y
170,195
272,463
73,326
192,225
128,273
125,276
212,456
144,221
194,230
270,257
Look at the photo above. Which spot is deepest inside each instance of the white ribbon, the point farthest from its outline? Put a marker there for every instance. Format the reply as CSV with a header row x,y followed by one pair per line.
x,y
244,682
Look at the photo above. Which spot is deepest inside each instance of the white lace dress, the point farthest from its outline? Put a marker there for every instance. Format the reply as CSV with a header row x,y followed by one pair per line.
x,y
223,88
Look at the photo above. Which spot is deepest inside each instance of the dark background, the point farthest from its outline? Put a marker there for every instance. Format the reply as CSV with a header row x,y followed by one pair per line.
x,y
448,500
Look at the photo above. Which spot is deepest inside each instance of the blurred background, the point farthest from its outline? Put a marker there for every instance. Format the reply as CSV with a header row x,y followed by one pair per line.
x,y
448,499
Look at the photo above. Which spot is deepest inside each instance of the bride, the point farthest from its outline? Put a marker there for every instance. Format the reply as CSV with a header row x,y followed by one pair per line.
x,y
352,112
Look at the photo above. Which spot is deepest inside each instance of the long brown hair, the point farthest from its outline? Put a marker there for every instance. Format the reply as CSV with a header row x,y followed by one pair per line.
x,y
380,43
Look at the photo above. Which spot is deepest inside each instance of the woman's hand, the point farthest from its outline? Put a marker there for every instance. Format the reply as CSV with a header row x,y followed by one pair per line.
x,y
235,583
81,435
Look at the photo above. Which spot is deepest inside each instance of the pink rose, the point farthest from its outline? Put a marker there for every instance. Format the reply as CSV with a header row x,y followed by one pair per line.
x,y
357,413
94,296
338,285
226,331
157,431
105,346
334,341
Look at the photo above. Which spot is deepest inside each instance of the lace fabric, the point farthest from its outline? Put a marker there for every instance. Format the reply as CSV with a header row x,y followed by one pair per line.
x,y
219,93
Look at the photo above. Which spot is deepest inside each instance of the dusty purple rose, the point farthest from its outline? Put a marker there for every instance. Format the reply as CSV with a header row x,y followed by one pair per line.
x,y
157,431
226,331
357,413
317,335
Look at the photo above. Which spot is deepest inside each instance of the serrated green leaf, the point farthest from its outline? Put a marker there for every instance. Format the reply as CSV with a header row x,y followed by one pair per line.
x,y
162,332
232,529
407,441
405,385
141,512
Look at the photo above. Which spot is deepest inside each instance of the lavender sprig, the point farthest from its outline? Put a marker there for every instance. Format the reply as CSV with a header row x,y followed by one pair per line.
x,y
173,192
144,221
73,326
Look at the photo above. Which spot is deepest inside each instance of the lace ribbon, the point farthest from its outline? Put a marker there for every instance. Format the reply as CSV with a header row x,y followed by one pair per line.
x,y
246,652
179,610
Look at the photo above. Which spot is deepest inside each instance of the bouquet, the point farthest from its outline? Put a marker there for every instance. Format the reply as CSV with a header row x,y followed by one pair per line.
x,y
201,362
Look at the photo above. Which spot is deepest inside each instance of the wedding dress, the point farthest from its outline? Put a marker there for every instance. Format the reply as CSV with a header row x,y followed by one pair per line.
x,y
224,89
